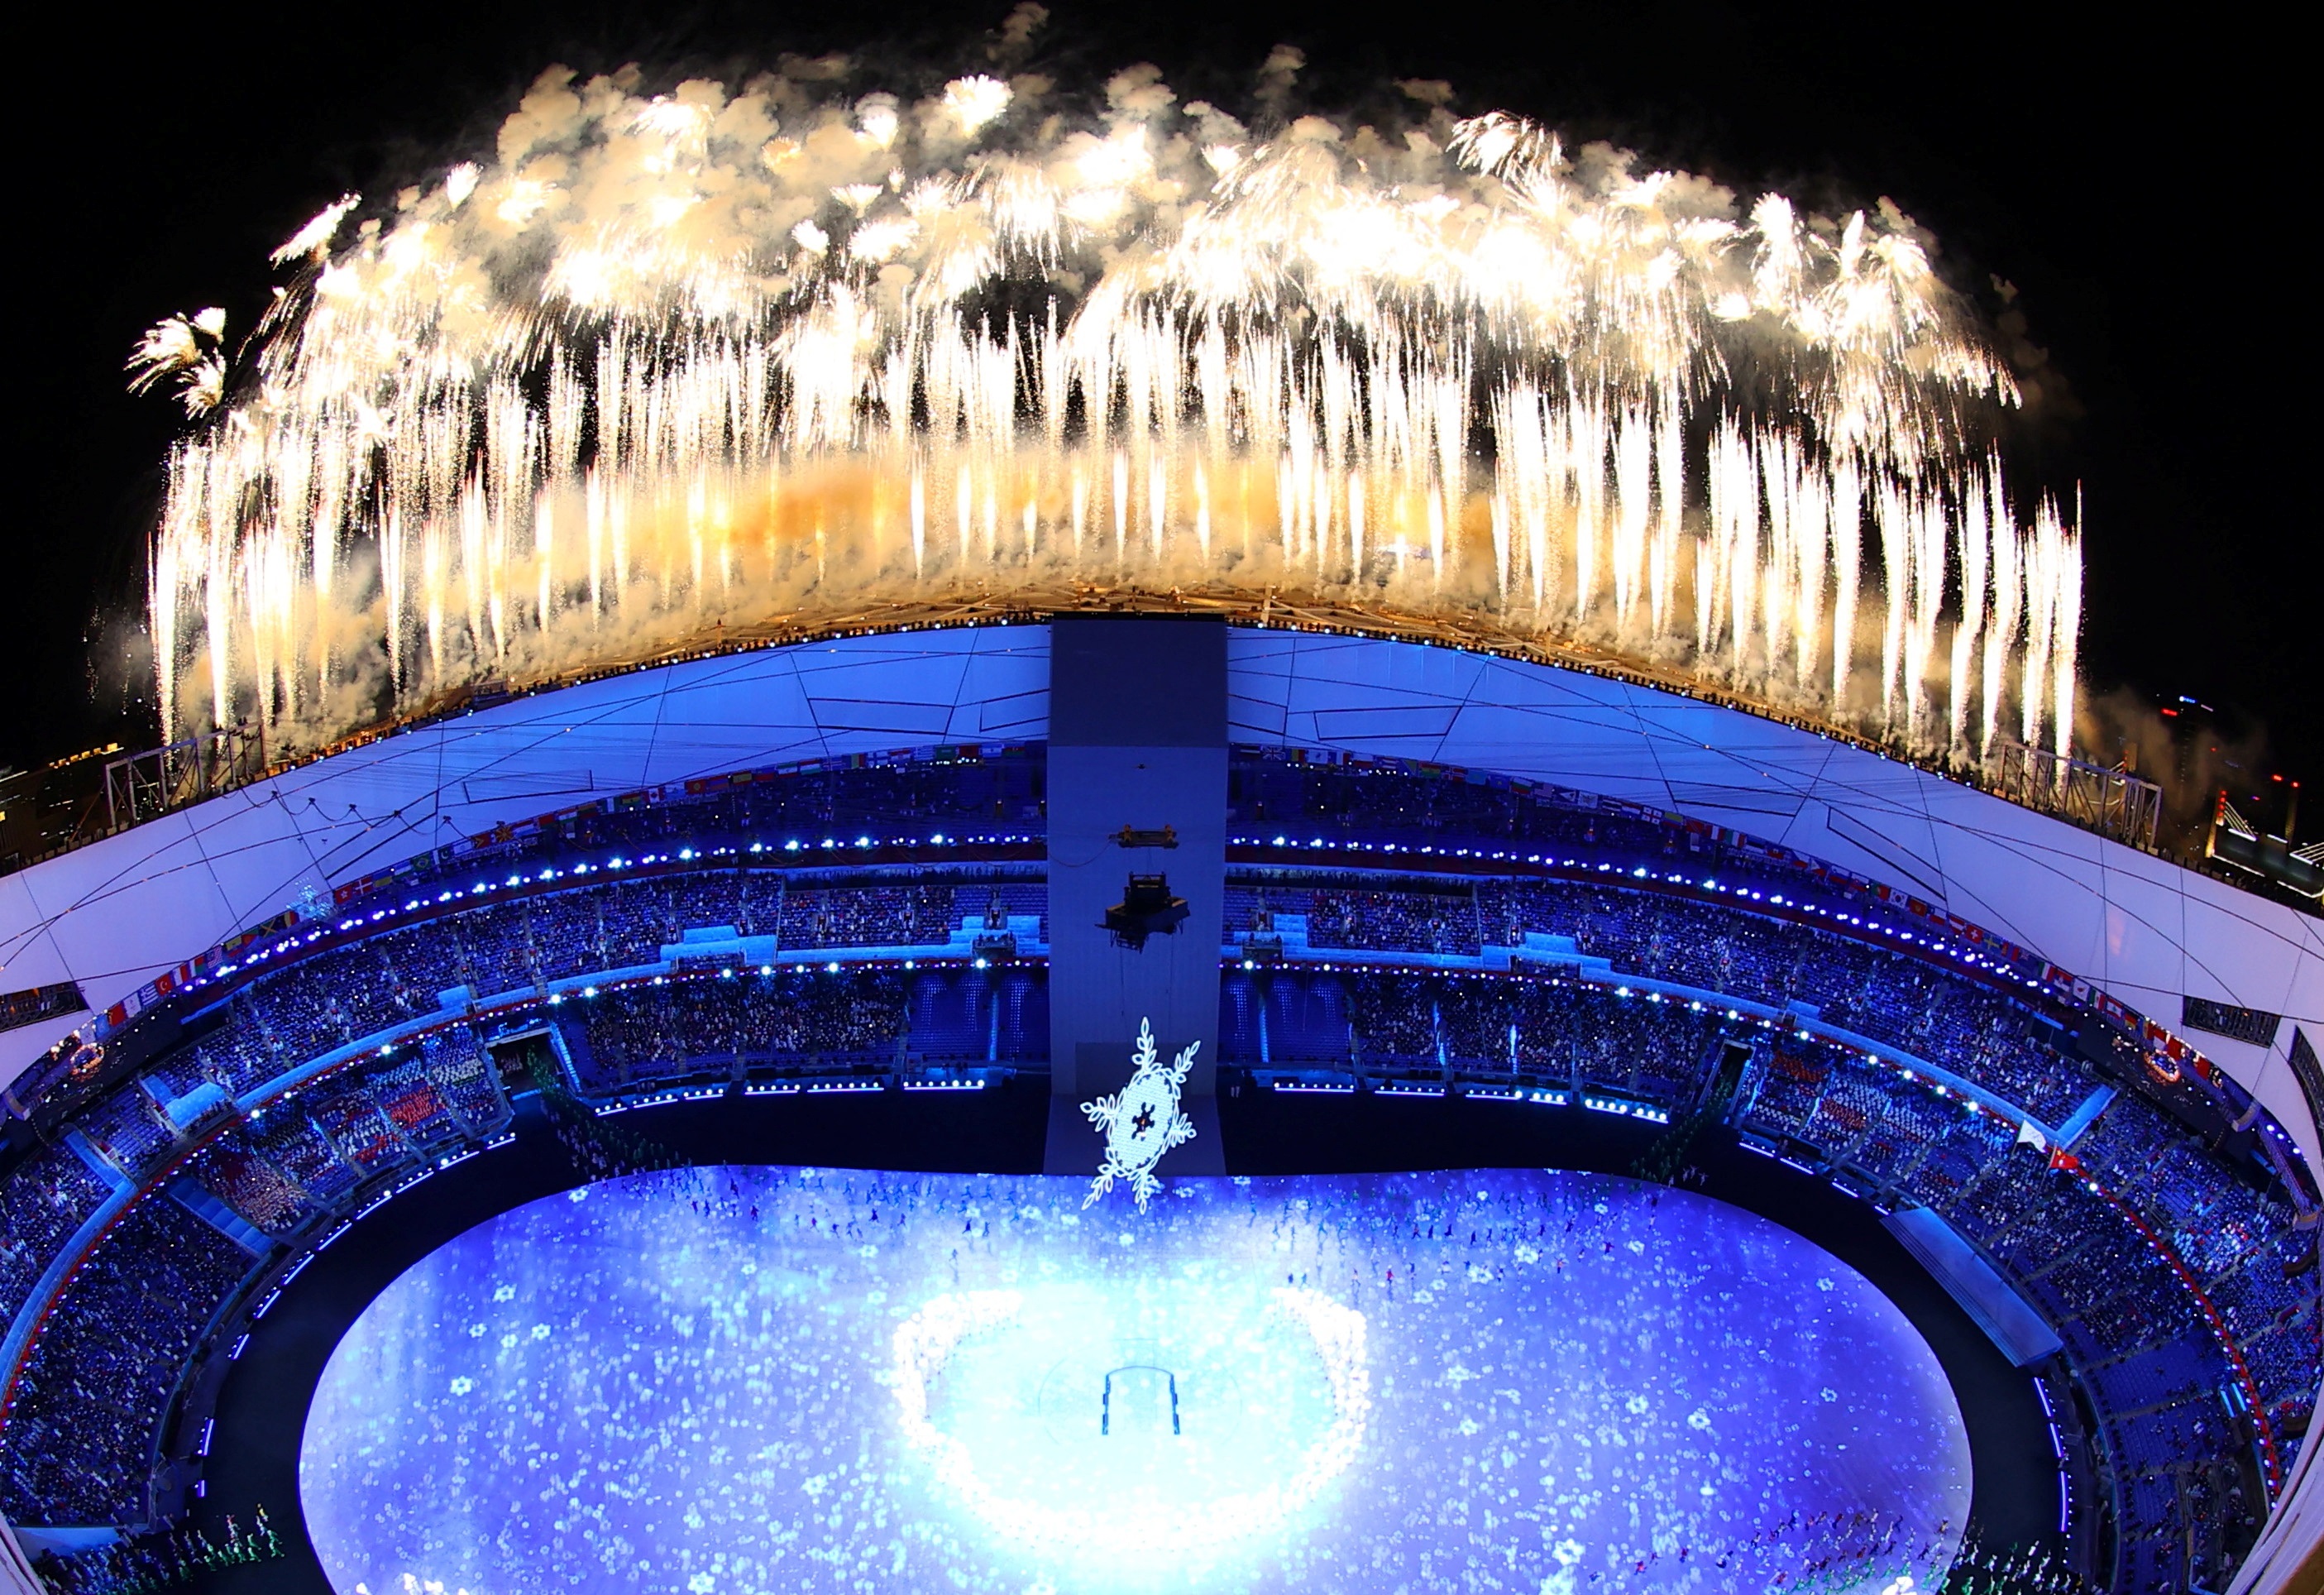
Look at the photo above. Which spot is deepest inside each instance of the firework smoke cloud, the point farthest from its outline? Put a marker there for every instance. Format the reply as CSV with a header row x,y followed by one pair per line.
x,y
663,362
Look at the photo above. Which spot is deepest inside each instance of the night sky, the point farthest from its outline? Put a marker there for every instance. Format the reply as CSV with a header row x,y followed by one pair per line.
x,y
2140,192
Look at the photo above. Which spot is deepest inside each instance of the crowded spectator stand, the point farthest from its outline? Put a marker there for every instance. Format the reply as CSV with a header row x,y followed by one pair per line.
x,y
1386,930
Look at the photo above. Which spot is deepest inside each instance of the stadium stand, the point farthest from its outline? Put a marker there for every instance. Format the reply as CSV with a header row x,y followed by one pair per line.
x,y
1382,924
110,1354
41,1204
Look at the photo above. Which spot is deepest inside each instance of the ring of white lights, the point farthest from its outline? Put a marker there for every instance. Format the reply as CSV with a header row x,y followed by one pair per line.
x,y
924,1343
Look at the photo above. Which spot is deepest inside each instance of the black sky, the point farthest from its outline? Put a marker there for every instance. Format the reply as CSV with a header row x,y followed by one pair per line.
x,y
2146,192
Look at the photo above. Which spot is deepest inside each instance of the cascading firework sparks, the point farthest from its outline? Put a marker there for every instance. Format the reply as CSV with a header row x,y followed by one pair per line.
x,y
674,361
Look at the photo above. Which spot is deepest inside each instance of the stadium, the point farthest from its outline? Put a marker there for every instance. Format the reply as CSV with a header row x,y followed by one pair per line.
x,y
683,1104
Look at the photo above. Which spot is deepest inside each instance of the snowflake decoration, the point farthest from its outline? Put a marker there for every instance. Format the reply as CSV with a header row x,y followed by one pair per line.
x,y
1143,1122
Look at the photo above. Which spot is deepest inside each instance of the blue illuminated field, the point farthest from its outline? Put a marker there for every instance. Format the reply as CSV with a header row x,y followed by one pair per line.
x,y
770,1379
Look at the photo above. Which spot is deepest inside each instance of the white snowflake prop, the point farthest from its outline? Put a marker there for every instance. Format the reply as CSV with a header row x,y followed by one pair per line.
x,y
1143,1122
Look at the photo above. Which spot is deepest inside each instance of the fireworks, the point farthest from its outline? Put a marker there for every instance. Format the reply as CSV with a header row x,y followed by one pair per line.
x,y
717,356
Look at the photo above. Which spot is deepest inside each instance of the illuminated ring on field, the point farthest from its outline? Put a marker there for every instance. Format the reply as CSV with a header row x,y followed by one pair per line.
x,y
926,1341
